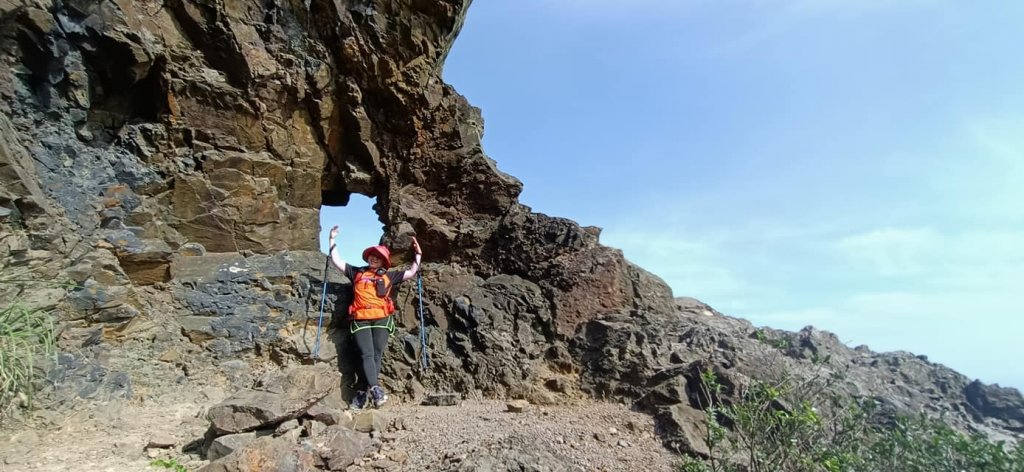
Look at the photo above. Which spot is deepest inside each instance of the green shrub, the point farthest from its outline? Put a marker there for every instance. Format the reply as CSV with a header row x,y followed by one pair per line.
x,y
169,464
784,426
926,444
25,336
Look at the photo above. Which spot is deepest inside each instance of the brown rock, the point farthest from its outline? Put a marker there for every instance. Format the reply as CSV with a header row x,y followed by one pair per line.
x,y
398,456
223,446
161,442
267,453
517,406
191,250
371,420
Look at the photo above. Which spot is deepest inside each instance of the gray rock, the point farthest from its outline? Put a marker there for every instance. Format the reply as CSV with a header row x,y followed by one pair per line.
x,y
330,410
657,361
239,303
286,426
340,447
684,430
993,401
313,427
102,301
85,375
280,397
442,399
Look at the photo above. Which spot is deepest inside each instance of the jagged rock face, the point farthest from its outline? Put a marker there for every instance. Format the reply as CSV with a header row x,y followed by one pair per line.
x,y
656,361
228,124
187,146
231,122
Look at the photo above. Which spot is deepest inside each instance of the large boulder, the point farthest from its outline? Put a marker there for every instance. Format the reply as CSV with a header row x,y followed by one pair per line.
x,y
1001,403
278,397
268,453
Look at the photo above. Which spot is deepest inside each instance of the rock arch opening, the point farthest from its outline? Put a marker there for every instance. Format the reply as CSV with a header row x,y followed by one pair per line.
x,y
359,226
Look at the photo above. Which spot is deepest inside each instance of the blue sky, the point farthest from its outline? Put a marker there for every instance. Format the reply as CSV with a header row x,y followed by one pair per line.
x,y
857,165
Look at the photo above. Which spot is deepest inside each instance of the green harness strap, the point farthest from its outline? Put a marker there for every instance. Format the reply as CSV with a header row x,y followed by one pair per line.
x,y
355,326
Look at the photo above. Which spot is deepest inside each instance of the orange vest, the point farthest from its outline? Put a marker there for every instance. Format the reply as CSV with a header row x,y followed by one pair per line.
x,y
366,303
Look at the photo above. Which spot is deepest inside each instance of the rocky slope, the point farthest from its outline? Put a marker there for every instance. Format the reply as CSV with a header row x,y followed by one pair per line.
x,y
170,159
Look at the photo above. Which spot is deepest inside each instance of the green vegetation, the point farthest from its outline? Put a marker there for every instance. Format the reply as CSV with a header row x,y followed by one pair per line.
x,y
25,335
781,342
169,464
777,427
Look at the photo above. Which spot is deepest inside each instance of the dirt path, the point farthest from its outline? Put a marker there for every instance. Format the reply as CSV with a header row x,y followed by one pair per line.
x,y
586,436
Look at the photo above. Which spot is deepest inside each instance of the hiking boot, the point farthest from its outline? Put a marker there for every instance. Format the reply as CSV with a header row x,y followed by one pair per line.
x,y
378,395
358,401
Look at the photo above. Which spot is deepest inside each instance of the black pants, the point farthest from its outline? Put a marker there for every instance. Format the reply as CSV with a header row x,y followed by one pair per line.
x,y
372,338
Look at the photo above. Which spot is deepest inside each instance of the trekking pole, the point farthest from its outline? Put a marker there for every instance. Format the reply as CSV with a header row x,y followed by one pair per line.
x,y
423,329
323,300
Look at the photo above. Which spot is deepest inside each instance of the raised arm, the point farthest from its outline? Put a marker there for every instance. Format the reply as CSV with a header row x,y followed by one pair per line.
x,y
335,255
416,261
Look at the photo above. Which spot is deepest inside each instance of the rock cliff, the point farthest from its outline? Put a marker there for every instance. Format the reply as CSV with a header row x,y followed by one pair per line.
x,y
170,158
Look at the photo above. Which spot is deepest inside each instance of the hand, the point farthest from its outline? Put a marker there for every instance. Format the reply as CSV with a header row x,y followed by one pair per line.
x,y
334,232
416,246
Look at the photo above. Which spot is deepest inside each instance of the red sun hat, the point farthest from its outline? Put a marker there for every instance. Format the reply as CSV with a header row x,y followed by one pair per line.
x,y
381,251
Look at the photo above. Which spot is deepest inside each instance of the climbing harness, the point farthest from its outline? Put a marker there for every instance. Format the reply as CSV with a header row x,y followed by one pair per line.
x,y
358,325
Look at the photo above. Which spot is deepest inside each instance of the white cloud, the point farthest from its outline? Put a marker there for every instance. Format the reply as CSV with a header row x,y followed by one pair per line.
x,y
1001,140
891,251
951,259
991,179
691,267
938,273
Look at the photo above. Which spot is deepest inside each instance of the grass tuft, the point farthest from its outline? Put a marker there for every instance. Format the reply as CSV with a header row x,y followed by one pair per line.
x,y
25,336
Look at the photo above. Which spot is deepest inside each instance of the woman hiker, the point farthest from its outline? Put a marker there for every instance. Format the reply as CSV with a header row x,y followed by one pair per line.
x,y
371,311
